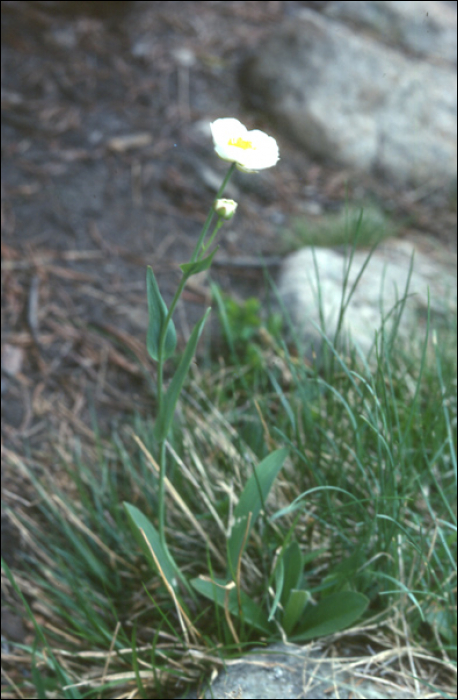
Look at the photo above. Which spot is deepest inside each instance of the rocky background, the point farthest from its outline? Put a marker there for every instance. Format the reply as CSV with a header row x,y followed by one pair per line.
x,y
107,165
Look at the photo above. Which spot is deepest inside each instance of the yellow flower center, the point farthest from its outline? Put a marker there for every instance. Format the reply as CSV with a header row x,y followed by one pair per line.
x,y
240,143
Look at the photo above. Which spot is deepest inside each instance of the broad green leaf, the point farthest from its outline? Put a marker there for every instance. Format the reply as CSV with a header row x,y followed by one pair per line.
x,y
253,614
294,609
438,617
165,417
157,312
293,566
138,522
251,501
333,613
347,568
193,268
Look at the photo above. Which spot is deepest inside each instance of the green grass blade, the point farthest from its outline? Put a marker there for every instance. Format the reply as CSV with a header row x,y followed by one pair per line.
x,y
251,501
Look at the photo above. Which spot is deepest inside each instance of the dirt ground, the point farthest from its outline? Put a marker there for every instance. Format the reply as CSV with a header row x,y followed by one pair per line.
x,y
107,166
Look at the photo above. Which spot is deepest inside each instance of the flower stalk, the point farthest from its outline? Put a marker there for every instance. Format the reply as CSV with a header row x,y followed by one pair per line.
x,y
249,151
211,213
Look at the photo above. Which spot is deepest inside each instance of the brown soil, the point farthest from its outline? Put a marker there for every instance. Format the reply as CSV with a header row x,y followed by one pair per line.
x,y
107,166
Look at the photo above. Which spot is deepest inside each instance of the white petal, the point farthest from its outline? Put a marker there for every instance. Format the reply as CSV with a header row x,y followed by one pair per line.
x,y
261,150
225,129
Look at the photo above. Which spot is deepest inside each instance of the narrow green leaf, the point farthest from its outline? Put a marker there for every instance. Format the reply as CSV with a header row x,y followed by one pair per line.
x,y
253,614
51,661
251,501
135,664
293,566
93,564
36,674
294,609
333,613
165,417
138,521
193,268
279,579
157,313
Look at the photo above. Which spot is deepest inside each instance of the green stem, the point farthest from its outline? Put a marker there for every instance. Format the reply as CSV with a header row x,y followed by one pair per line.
x,y
162,465
194,256
218,225
160,369
210,214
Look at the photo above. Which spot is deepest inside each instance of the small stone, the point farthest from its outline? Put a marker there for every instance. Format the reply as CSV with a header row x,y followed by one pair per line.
x,y
381,286
12,359
299,673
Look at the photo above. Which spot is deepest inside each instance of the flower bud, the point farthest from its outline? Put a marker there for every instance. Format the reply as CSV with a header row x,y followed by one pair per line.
x,y
225,208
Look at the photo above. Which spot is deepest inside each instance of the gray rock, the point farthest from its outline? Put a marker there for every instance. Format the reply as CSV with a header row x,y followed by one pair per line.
x,y
426,29
346,96
290,671
382,284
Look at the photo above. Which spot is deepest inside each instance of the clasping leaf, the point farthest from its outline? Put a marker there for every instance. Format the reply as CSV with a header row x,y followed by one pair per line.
x,y
157,311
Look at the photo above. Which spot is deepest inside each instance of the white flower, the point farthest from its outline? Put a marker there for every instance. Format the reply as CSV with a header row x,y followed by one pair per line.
x,y
225,208
250,150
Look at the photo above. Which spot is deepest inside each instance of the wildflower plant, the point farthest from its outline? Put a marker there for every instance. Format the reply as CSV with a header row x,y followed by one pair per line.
x,y
249,151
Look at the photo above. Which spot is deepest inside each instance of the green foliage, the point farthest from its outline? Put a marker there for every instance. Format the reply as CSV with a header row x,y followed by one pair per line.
x,y
331,614
41,682
343,607
238,603
166,410
246,334
362,520
157,312
370,480
241,321
331,229
192,268
148,539
337,611
251,501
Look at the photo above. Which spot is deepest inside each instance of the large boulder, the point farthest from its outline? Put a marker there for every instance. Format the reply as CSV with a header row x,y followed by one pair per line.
x,y
419,28
336,88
